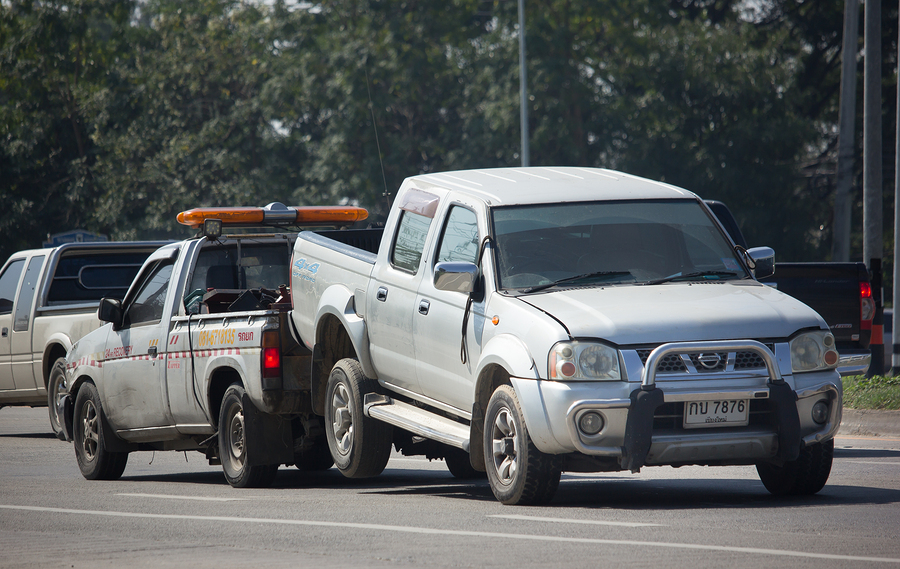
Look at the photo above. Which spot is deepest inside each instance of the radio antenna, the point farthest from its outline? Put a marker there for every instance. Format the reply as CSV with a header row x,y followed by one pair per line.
x,y
386,195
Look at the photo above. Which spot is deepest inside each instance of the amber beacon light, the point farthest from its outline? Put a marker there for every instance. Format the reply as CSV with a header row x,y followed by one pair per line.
x,y
274,214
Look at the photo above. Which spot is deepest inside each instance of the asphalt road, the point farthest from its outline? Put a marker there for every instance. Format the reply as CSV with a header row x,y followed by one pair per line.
x,y
174,510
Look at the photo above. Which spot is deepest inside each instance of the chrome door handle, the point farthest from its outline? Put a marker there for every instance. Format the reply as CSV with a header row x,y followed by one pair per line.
x,y
5,332
381,294
424,306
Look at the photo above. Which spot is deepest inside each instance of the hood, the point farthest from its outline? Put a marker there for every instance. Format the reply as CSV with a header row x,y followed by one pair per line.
x,y
725,310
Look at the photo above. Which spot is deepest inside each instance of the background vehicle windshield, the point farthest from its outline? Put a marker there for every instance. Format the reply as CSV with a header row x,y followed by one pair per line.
x,y
615,242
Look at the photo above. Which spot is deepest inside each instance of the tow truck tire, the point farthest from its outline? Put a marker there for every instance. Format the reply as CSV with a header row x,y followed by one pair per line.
x,y
95,461
360,445
232,445
56,390
459,465
802,477
518,472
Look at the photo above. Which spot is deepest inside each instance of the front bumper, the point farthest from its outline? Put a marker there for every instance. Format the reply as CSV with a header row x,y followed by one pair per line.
x,y
642,421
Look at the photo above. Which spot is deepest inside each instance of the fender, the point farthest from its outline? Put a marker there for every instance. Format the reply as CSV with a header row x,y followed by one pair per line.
x,y
338,301
510,353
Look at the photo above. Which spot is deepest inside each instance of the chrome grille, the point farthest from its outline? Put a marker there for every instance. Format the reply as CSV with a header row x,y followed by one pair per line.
x,y
675,363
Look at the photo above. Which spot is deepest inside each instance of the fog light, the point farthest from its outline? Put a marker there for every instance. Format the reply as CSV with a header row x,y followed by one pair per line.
x,y
590,423
820,412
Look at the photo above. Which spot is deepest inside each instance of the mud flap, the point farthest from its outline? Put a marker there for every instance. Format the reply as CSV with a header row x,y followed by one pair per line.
x,y
787,419
639,427
268,437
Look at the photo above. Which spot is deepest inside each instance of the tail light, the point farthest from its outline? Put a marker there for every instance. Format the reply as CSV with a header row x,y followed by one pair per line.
x,y
866,306
271,359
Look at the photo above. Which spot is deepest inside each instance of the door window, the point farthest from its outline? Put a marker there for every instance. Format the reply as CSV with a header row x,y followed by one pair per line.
x,y
459,241
148,304
410,241
9,280
26,295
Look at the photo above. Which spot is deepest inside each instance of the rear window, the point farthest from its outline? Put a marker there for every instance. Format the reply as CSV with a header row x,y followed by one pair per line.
x,y
83,277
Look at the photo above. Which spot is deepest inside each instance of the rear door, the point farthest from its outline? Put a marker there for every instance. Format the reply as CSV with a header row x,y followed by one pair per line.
x,y
22,356
9,286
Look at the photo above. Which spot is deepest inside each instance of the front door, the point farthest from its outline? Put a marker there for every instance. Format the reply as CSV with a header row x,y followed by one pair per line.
x,y
134,365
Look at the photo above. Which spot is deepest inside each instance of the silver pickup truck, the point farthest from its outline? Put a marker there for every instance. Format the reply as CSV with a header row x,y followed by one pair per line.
x,y
530,321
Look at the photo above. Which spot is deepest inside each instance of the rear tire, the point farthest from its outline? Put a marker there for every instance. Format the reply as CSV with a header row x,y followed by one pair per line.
x,y
233,445
56,391
360,445
802,477
459,465
518,472
95,461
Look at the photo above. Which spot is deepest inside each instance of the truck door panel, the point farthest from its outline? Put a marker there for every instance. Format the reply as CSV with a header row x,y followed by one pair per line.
x,y
134,362
20,338
9,285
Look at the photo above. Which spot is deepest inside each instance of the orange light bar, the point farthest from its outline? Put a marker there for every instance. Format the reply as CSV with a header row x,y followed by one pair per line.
x,y
274,214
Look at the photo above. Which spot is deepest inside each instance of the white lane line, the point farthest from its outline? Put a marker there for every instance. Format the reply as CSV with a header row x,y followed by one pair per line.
x,y
568,521
881,462
461,533
201,498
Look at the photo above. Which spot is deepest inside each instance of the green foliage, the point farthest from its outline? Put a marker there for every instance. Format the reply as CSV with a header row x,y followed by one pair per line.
x,y
114,119
878,392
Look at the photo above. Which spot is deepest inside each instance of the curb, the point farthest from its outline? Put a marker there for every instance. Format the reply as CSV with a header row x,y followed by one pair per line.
x,y
870,423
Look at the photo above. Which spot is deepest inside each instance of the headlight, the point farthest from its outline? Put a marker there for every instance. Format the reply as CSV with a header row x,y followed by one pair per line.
x,y
584,361
813,351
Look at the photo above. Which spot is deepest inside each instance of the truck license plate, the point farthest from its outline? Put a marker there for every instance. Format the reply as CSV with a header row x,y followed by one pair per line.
x,y
725,413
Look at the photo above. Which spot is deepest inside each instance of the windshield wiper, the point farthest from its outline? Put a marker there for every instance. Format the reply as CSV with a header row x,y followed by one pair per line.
x,y
694,275
575,278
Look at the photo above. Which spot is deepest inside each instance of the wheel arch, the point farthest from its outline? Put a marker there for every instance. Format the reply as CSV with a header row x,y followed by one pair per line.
x,y
219,381
333,343
55,349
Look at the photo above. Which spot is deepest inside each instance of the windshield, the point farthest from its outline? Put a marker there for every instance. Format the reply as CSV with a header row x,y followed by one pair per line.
x,y
622,242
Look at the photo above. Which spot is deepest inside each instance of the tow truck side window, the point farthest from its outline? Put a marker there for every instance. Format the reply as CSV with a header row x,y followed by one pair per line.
x,y
147,306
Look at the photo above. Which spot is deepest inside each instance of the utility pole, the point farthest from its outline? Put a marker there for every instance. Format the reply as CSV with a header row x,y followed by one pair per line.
x,y
843,211
873,224
895,340
523,89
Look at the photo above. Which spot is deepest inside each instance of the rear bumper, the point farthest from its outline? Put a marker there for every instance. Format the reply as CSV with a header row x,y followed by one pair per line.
x,y
854,362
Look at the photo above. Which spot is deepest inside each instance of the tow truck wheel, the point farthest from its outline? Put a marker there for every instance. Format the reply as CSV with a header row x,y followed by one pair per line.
x,y
56,390
233,445
518,472
95,461
360,445
802,477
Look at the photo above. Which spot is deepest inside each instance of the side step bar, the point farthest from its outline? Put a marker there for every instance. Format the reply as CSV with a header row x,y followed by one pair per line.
x,y
416,420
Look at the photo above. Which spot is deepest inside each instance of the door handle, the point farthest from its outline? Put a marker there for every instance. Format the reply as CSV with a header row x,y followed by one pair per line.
x,y
152,351
424,305
5,332
381,294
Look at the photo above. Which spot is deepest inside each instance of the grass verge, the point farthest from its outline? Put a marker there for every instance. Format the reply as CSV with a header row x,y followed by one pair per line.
x,y
882,393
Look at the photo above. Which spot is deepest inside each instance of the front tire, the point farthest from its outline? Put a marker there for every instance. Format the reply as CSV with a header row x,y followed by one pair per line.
x,y
360,445
56,391
233,445
802,477
95,460
518,472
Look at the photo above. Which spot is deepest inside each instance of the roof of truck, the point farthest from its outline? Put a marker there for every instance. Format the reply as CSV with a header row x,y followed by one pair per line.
x,y
539,184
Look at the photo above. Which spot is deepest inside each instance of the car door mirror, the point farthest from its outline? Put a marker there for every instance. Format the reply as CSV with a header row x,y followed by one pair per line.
x,y
455,276
764,260
110,311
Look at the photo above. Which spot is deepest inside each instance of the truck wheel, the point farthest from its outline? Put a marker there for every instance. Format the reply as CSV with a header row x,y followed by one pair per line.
x,y
56,390
360,445
459,466
518,472
802,477
95,461
233,448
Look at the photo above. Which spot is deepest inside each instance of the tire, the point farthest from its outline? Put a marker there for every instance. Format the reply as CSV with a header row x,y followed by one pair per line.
x,y
95,461
232,445
360,445
802,477
518,472
459,465
56,390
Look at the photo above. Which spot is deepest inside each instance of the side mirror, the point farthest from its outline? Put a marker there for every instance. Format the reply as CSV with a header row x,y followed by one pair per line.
x,y
764,260
455,276
110,311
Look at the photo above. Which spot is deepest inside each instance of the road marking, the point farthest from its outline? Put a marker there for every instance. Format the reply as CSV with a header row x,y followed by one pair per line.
x,y
569,521
461,533
882,462
170,497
